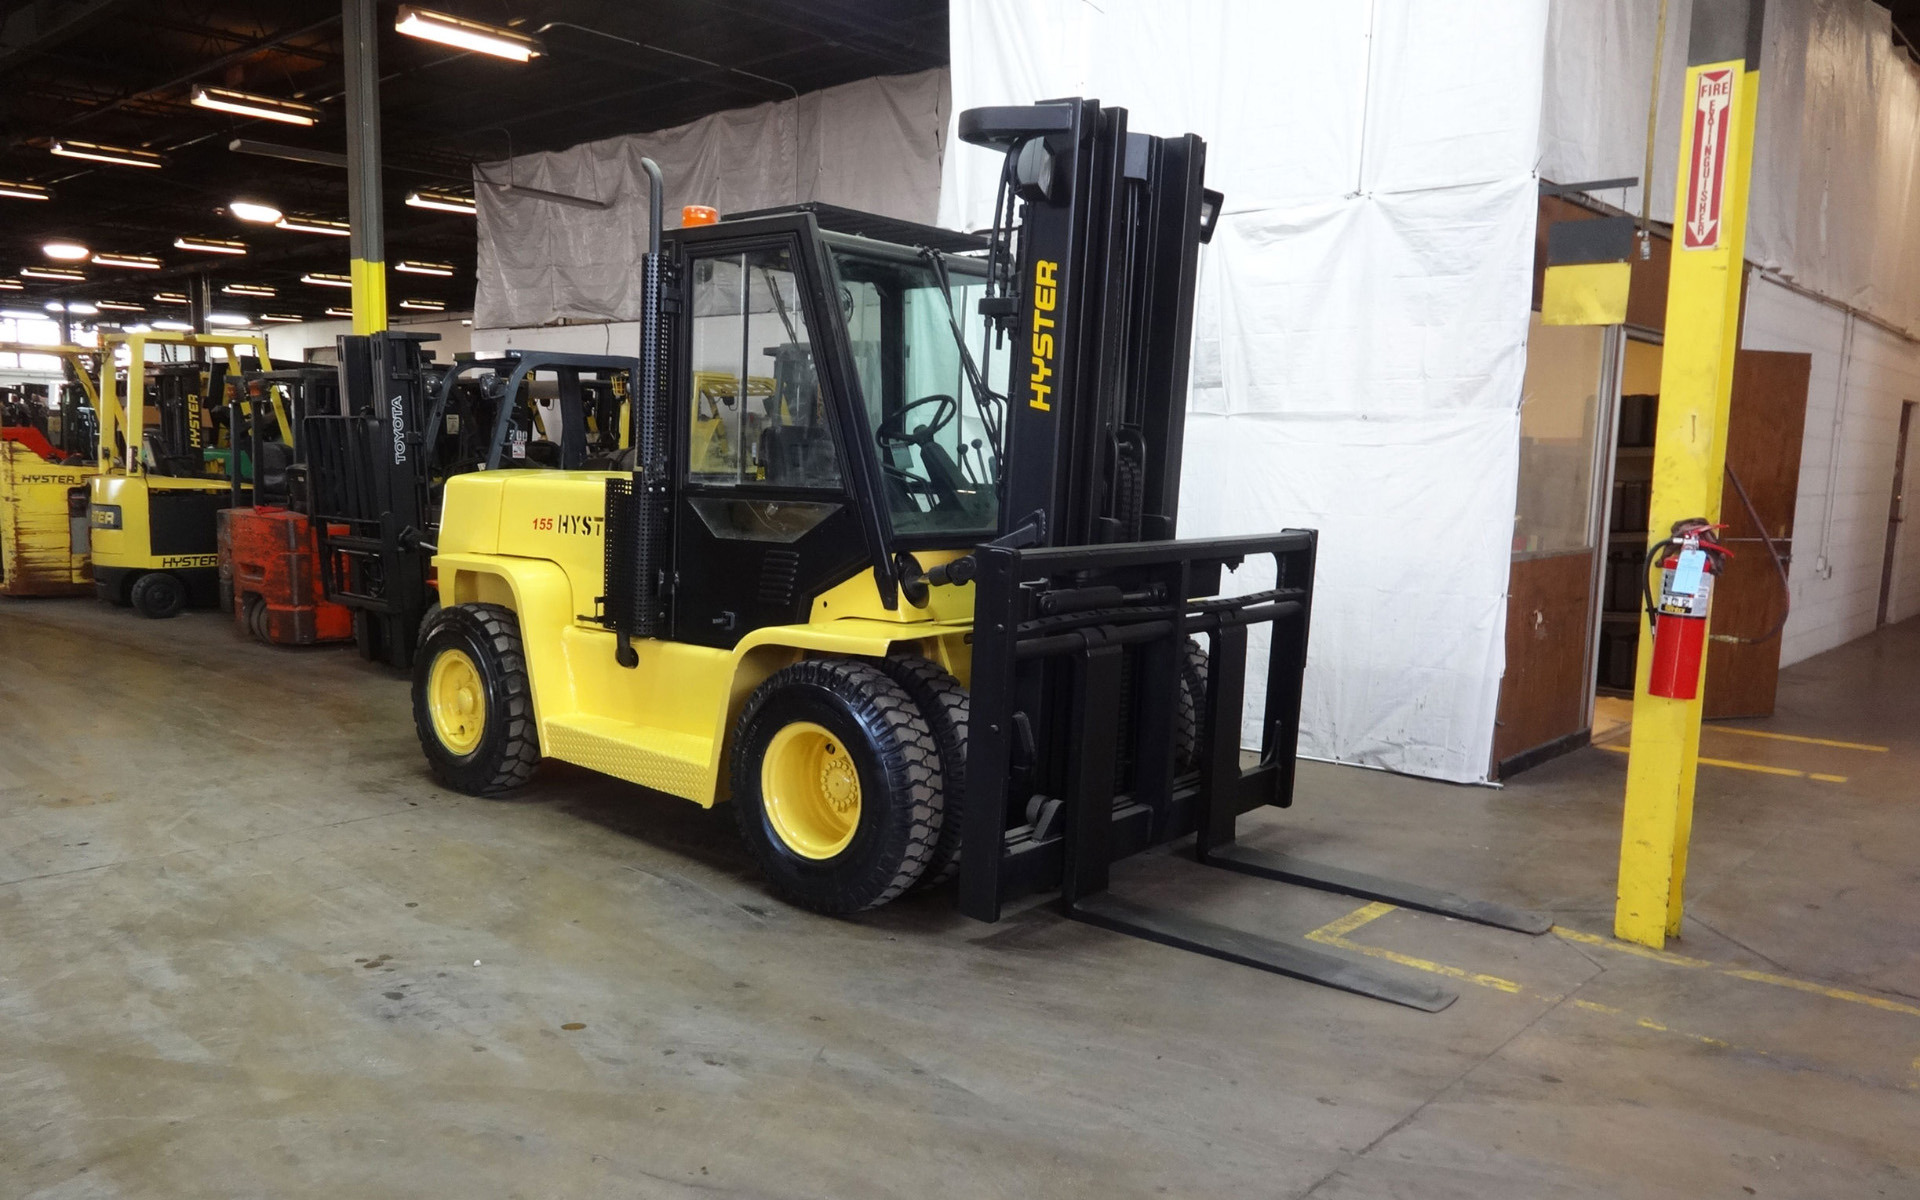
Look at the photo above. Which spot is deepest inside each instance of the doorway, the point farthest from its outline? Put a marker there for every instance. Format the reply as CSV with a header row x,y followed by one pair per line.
x,y
1895,510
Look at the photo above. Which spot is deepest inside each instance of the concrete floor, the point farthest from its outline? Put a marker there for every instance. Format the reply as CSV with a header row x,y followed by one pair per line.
x,y
248,949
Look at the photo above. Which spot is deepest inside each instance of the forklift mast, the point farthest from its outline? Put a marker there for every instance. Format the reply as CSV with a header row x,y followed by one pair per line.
x,y
1096,298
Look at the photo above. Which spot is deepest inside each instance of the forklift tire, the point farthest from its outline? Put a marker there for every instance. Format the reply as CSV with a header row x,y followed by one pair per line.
x,y
836,785
945,705
1190,707
158,595
257,623
472,704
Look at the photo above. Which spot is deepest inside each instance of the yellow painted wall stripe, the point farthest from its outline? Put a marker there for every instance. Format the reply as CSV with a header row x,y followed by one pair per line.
x,y
1794,737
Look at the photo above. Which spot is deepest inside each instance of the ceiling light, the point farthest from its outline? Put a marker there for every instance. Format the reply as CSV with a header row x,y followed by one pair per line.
x,y
425,305
17,314
65,251
319,158
95,152
466,321
249,105
117,306
170,297
58,274
81,308
209,245
249,289
24,191
11,285
228,320
173,326
441,201
299,224
253,210
408,266
135,262
340,312
319,279
467,35
281,317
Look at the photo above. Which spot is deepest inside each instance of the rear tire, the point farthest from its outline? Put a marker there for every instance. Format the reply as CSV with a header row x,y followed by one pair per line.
x,y
945,705
257,622
472,703
837,785
158,595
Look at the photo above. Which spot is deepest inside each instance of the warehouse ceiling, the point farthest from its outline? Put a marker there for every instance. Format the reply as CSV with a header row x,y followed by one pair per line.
x,y
118,72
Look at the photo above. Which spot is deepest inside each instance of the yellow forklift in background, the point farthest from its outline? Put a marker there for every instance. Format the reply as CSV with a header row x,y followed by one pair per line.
x,y
168,464
48,432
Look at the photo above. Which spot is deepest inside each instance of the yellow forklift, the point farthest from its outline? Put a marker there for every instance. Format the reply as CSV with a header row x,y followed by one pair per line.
x,y
47,437
915,606
168,464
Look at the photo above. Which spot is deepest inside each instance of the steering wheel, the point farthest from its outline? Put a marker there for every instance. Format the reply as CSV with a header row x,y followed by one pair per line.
x,y
892,431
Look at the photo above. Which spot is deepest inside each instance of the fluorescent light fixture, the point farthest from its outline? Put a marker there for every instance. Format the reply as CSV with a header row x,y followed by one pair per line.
x,y
228,320
340,312
441,201
320,279
246,104
170,297
65,251
250,289
24,191
117,306
425,305
57,274
209,245
253,210
133,262
467,35
173,326
409,267
18,314
11,285
80,308
299,224
283,318
123,156
466,320
319,158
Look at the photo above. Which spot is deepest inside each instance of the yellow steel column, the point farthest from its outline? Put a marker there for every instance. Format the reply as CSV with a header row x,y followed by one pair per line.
x,y
1696,378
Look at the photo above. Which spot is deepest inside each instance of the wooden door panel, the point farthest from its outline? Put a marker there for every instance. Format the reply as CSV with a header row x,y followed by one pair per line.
x,y
1543,697
1768,416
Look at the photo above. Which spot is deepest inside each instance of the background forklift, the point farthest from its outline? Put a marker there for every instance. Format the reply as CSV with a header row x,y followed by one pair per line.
x,y
48,433
920,612
167,466
377,463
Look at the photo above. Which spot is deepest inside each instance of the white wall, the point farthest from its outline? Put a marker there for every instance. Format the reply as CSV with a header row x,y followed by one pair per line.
x,y
289,344
1861,374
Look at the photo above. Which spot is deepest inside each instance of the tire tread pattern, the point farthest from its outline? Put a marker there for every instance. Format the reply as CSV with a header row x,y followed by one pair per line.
x,y
946,706
513,761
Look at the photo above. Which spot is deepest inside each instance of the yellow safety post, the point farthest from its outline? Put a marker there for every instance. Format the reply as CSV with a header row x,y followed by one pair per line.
x,y
1696,379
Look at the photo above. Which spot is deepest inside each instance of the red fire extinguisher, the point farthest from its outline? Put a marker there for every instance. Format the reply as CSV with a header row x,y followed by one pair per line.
x,y
1692,559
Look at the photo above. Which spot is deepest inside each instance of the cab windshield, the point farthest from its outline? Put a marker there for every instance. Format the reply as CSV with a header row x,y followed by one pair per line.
x,y
939,465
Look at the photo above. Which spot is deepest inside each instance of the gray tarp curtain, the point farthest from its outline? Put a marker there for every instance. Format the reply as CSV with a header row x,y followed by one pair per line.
x,y
873,145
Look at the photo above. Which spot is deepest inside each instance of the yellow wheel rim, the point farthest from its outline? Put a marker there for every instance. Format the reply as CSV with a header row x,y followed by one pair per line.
x,y
457,701
811,790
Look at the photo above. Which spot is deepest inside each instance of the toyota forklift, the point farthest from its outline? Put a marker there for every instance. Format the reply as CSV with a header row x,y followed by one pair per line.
x,y
48,432
916,608
168,462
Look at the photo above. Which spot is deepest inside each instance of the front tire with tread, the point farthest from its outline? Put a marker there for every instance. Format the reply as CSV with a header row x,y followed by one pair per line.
x,y
158,595
945,705
508,748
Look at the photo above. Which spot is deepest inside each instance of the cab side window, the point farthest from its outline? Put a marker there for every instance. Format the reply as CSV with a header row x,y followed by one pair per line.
x,y
758,417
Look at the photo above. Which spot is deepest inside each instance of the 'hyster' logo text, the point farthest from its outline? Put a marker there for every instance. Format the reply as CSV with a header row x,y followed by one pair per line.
x,y
399,430
1046,296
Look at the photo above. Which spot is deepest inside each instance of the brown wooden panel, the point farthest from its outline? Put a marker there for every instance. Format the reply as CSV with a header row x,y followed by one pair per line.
x,y
1768,415
1543,696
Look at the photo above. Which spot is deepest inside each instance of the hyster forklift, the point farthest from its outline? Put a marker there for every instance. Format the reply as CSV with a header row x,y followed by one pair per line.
x,y
167,464
47,434
916,608
376,465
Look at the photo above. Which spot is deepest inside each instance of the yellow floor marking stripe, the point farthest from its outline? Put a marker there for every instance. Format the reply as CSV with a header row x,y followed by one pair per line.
x,y
1785,981
1744,766
1794,737
1352,921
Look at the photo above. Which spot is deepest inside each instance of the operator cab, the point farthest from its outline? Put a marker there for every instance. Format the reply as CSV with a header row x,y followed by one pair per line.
x,y
830,421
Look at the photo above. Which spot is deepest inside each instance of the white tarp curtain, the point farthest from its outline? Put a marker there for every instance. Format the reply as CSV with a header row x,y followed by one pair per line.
x,y
1362,313
873,145
1836,185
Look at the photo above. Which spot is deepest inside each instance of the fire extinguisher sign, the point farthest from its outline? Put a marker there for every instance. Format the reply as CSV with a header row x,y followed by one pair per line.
x,y
1707,168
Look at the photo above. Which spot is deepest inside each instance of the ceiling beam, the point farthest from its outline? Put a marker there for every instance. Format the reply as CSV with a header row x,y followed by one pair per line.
x,y
42,24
